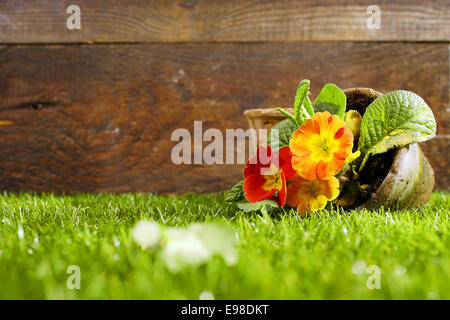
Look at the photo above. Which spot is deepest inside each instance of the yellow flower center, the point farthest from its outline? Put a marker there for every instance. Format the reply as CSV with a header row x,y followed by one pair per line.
x,y
312,189
273,179
323,146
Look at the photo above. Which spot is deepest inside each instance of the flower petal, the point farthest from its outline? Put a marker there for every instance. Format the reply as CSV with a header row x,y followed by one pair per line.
x,y
304,168
302,208
311,195
321,170
282,191
285,161
254,188
256,165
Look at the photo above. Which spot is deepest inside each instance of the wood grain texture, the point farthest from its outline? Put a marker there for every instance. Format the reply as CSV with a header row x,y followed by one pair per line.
x,y
99,118
436,151
44,21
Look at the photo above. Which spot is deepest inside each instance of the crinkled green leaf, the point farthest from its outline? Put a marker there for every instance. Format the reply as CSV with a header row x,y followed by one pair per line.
x,y
309,107
302,106
394,120
236,193
250,207
331,99
283,130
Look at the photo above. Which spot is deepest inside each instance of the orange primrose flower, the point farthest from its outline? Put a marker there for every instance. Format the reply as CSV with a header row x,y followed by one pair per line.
x,y
311,195
320,146
264,175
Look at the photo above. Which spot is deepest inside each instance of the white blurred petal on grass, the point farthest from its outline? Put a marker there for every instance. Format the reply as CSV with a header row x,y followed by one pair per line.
x,y
197,244
206,295
433,296
146,233
189,246
359,267
218,239
184,250
399,270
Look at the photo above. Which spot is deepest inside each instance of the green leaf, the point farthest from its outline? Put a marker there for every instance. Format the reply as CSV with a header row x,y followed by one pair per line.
x,y
250,207
236,193
302,106
394,120
281,132
331,99
287,114
309,107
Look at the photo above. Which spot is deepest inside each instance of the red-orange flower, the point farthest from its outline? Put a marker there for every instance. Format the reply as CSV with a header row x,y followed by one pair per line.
x,y
264,175
311,195
320,146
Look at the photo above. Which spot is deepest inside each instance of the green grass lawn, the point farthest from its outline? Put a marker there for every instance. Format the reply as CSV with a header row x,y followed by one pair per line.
x,y
280,256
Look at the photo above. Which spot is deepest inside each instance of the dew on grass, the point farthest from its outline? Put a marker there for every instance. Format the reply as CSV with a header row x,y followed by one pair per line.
x,y
20,233
36,240
117,243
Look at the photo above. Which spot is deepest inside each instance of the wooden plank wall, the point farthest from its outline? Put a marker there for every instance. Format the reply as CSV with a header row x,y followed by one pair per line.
x,y
92,110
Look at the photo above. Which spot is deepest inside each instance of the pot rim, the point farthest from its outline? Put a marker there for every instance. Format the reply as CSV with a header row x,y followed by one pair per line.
x,y
266,113
273,113
364,90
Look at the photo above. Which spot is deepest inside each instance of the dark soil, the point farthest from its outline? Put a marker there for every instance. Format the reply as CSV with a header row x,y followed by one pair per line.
x,y
359,101
374,172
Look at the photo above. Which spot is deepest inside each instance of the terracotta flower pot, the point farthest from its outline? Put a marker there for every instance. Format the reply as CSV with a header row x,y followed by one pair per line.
x,y
410,178
264,119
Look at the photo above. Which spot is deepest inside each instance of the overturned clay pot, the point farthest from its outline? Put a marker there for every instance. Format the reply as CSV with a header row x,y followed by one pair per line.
x,y
408,184
410,179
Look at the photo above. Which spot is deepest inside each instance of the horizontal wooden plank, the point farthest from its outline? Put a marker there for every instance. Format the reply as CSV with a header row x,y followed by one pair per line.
x,y
44,21
99,118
